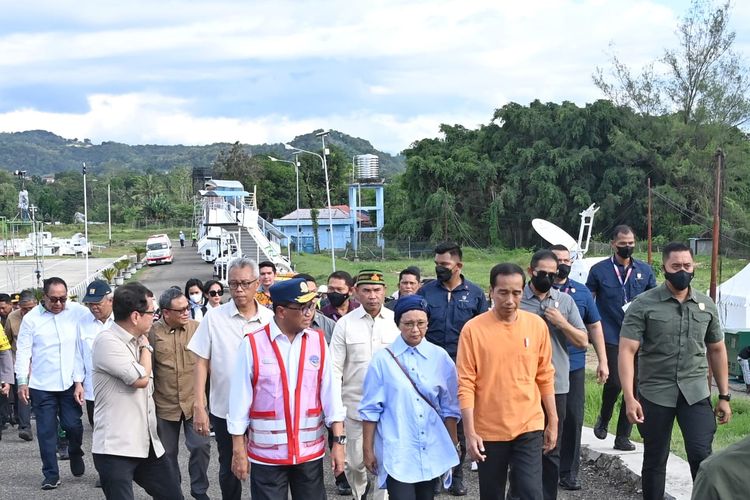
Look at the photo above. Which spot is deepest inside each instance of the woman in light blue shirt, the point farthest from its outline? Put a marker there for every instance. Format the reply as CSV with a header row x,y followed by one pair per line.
x,y
409,421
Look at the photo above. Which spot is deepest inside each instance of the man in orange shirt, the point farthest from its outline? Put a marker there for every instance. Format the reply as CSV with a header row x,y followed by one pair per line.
x,y
501,402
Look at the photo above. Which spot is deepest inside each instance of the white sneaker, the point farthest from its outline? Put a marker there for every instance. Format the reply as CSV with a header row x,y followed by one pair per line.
x,y
474,466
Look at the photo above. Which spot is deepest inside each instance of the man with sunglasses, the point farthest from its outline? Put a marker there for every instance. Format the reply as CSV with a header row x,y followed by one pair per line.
x,y
173,388
49,336
215,344
565,325
281,398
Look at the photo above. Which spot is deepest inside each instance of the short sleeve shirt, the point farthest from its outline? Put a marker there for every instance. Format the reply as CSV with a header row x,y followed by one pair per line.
x,y
673,337
589,314
614,286
566,305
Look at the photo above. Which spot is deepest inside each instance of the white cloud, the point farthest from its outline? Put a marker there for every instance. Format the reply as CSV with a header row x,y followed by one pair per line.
x,y
425,62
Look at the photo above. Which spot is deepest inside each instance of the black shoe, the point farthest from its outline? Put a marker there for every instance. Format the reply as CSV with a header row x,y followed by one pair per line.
x,y
98,483
600,429
77,467
62,454
343,489
623,444
200,496
457,488
569,485
51,483
26,434
437,485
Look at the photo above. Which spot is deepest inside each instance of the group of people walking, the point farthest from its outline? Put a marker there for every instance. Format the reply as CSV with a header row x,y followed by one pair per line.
x,y
400,389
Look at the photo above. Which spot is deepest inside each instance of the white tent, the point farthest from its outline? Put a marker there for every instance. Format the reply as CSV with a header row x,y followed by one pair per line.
x,y
734,301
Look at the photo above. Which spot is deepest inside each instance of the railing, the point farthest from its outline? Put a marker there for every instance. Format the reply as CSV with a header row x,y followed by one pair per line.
x,y
79,290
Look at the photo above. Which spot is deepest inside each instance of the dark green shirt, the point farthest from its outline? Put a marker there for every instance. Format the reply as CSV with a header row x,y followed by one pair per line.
x,y
673,338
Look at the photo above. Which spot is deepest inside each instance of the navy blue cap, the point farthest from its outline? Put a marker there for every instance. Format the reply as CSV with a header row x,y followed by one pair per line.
x,y
293,290
96,291
409,303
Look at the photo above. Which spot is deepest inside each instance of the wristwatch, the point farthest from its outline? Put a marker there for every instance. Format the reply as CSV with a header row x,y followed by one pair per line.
x,y
725,397
148,347
340,440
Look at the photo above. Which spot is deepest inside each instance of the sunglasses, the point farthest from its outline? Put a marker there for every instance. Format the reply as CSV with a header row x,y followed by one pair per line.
x,y
216,293
55,300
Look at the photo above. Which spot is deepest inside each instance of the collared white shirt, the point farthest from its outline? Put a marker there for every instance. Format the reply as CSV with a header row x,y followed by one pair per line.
x,y
88,328
50,341
218,339
241,388
356,338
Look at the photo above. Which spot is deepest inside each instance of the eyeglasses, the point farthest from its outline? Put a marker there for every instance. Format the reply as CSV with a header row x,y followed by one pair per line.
x,y
411,324
216,293
55,300
143,313
178,311
234,285
304,309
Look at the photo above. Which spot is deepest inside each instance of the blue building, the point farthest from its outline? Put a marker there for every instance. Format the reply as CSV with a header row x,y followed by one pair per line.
x,y
298,226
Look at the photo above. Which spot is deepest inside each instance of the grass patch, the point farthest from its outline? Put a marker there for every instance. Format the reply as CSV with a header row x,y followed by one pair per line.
x,y
737,429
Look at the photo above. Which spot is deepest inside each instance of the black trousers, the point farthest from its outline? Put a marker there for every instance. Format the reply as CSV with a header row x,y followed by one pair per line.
x,y
155,475
698,425
524,456
611,391
570,443
90,412
273,482
409,491
231,487
551,461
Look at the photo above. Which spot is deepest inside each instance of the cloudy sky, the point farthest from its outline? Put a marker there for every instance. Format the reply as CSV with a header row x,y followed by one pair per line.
x,y
197,72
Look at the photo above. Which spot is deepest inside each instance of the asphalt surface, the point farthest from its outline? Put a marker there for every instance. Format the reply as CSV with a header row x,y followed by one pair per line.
x,y
21,466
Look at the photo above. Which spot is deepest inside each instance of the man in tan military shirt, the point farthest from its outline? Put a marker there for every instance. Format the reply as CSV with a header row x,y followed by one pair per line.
x,y
21,409
173,388
678,332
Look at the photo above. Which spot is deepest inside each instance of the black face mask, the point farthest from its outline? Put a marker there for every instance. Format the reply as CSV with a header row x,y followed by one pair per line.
x,y
563,270
625,252
336,298
542,283
679,280
443,273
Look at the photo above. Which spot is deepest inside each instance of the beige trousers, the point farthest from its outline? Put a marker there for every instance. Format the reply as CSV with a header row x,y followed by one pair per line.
x,y
355,470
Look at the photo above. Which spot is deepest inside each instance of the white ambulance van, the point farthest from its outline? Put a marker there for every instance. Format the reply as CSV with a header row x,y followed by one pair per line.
x,y
158,249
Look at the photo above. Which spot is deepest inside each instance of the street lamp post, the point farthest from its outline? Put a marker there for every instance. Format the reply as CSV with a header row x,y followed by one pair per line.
x,y
328,196
296,173
85,222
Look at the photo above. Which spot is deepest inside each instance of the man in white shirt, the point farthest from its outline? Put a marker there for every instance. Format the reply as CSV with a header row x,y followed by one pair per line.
x,y
98,299
49,336
216,344
357,336
282,432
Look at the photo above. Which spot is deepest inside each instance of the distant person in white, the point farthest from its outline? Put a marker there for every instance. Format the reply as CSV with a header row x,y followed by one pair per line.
x,y
216,343
48,338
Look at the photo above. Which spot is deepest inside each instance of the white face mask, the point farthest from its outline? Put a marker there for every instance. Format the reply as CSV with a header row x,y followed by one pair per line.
x,y
196,297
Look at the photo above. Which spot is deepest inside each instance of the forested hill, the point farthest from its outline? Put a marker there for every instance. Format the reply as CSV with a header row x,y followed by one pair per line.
x,y
40,152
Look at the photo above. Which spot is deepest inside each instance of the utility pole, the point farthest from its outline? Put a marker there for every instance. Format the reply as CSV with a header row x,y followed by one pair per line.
x,y
717,222
650,258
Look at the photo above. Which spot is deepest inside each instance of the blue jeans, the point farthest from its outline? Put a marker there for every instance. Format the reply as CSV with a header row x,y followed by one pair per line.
x,y
47,406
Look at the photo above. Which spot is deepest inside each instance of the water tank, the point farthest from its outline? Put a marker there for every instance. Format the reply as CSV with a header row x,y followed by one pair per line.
x,y
367,166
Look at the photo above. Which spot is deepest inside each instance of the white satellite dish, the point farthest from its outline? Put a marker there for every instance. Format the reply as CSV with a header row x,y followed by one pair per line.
x,y
554,234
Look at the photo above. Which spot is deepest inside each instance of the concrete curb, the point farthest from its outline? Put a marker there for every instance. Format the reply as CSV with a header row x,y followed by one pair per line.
x,y
625,466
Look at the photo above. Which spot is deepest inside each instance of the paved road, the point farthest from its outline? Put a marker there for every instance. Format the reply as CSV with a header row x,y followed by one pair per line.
x,y
21,466
15,276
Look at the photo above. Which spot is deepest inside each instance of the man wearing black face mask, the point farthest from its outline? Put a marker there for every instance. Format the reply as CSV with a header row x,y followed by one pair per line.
x,y
570,445
565,326
452,301
676,329
615,282
340,284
